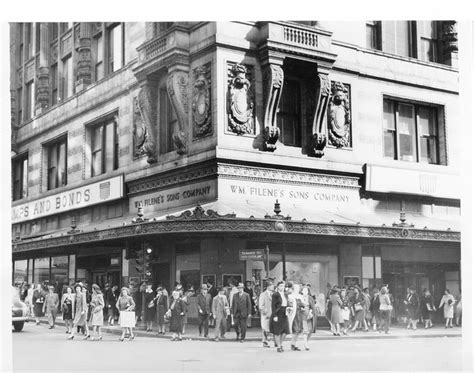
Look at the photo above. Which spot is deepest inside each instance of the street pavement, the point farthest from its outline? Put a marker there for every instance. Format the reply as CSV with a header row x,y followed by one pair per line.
x,y
37,348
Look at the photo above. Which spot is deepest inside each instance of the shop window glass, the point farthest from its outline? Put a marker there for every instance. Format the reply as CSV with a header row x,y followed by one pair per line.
x,y
57,164
59,272
188,270
41,270
104,147
20,271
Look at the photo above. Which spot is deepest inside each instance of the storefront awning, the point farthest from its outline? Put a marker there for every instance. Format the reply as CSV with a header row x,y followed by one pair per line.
x,y
224,217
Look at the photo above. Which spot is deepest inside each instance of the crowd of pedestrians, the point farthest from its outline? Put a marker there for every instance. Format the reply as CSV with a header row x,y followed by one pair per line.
x,y
284,308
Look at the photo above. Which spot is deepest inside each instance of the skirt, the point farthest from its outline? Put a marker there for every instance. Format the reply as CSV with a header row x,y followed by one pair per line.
x,y
79,319
127,319
281,326
336,316
150,313
176,324
97,319
161,315
38,309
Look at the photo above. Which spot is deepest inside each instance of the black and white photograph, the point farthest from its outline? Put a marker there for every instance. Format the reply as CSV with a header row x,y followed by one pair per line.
x,y
237,195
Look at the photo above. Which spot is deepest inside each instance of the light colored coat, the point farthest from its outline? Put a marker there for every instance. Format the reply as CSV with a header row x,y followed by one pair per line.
x,y
265,308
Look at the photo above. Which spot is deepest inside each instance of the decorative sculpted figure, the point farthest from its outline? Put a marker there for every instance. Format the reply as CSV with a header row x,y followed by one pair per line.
x,y
140,133
177,86
319,137
273,79
339,118
201,102
240,105
146,135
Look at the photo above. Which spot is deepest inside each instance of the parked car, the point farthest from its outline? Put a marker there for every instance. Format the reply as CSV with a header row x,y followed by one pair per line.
x,y
20,313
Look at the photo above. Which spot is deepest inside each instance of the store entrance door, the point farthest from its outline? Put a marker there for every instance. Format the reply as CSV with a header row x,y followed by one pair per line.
x,y
102,277
161,275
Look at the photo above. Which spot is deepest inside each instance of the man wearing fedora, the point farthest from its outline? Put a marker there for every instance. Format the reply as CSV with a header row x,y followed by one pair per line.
x,y
241,309
204,306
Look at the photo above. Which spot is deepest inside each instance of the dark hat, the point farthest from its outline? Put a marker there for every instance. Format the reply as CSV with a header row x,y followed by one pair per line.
x,y
412,288
159,288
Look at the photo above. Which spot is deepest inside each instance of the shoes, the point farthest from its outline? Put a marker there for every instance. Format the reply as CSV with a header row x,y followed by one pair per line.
x,y
70,337
216,339
121,339
241,341
100,338
279,349
51,327
306,348
173,339
87,337
265,344
294,348
131,338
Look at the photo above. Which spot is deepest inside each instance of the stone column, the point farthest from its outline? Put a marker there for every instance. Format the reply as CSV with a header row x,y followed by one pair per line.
x,y
84,63
450,43
42,82
13,85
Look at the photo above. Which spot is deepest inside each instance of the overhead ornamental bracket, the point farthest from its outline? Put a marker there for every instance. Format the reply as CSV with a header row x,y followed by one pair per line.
x,y
140,218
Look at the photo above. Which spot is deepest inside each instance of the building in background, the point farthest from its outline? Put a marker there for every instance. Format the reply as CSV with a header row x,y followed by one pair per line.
x,y
180,151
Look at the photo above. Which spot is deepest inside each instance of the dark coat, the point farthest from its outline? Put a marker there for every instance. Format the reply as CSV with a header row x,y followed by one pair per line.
x,y
177,316
204,304
280,326
149,311
241,305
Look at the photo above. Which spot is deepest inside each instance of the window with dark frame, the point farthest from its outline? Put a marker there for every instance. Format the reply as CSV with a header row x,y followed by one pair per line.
x,y
29,101
53,32
20,105
20,177
104,147
54,84
428,37
67,77
57,163
98,45
37,37
289,114
29,40
115,44
168,123
410,132
373,35
21,46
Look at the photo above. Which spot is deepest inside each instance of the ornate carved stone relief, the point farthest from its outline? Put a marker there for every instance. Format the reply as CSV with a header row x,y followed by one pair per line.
x,y
339,115
140,133
319,136
273,81
201,104
146,106
83,45
240,105
42,88
177,86
450,37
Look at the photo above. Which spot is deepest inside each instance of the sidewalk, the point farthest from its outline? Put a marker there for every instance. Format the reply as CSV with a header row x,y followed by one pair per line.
x,y
254,333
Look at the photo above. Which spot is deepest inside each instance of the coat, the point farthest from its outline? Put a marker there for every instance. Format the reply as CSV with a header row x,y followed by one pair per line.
x,y
177,309
51,303
241,305
412,306
265,308
220,307
448,309
97,303
149,301
281,325
336,314
80,306
67,306
204,304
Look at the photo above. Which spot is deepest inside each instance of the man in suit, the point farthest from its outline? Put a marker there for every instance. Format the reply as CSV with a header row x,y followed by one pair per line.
x,y
220,310
212,291
265,308
204,304
241,308
50,306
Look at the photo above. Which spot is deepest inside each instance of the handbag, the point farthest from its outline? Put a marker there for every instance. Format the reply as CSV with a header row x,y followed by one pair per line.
x,y
358,307
389,307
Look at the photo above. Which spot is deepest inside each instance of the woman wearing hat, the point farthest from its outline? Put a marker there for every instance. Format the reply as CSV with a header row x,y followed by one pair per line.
x,y
162,306
67,305
359,310
308,315
97,316
176,316
150,307
126,305
79,311
336,315
412,303
427,308
447,302
279,322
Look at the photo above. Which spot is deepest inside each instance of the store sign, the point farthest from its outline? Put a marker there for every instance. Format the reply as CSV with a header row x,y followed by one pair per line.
x,y
302,195
395,180
257,254
174,197
87,195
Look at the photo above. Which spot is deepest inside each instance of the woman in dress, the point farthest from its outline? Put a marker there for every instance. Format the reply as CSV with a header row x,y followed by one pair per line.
x,y
67,305
38,302
150,307
295,317
412,304
279,322
458,311
79,311
447,302
176,315
97,316
161,308
308,315
427,308
359,310
346,308
385,309
125,304
336,315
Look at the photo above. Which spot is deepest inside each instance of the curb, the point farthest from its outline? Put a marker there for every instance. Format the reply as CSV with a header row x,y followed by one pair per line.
x,y
140,333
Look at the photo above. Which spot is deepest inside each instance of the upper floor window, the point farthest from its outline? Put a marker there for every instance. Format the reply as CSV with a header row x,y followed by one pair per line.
x,y
57,163
104,147
20,105
29,101
418,39
21,45
168,123
115,43
98,45
20,177
411,132
28,40
53,32
54,83
289,116
67,78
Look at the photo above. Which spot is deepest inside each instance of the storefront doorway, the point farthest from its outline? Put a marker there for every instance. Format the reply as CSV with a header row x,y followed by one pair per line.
x,y
99,269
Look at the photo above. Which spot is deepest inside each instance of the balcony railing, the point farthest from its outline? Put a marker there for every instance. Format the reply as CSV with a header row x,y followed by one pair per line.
x,y
176,37
300,37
